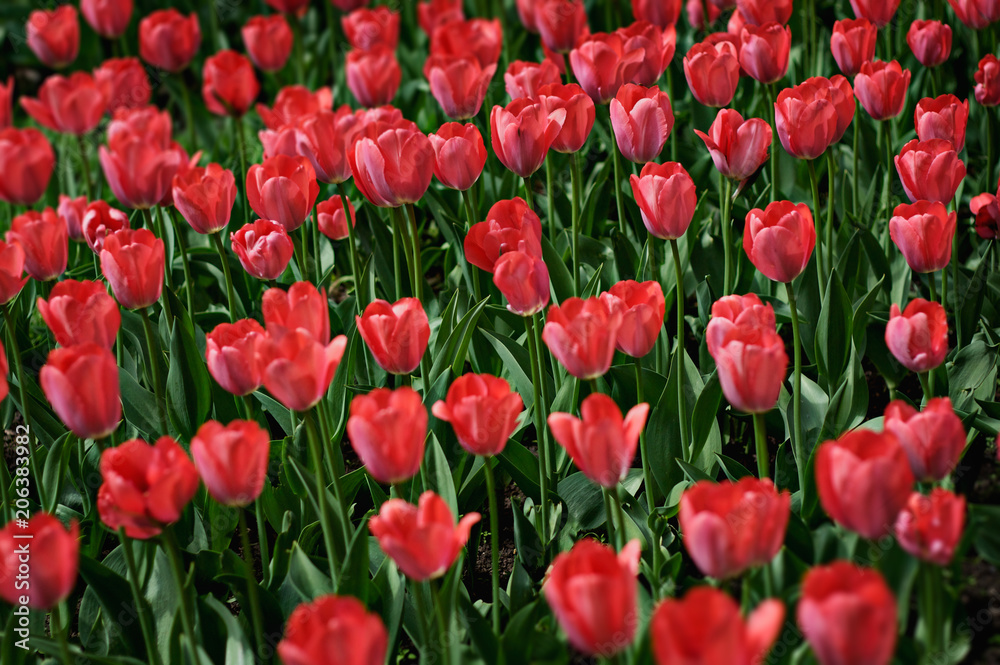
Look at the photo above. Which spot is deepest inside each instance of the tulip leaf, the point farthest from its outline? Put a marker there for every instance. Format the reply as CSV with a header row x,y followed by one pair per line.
x,y
970,302
522,467
833,330
189,391
859,323
138,405
305,577
704,416
559,275
594,284
733,469
113,594
515,361
439,473
237,648
56,460
584,502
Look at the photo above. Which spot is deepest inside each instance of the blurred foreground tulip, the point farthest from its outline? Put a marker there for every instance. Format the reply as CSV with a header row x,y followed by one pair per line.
x,y
54,553
360,635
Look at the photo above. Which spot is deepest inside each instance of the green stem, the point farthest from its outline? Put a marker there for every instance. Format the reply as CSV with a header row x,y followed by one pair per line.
x,y
61,634
491,490
265,551
546,399
575,236
931,279
300,67
528,196
855,191
442,620
619,205
397,243
798,445
727,233
830,179
647,470
187,617
774,147
931,599
332,554
418,268
814,185
141,606
241,142
473,270
681,401
153,222
610,517
887,188
189,112
15,350
925,384
990,159
331,23
420,602
355,261
540,425
317,249
153,348
185,262
760,435
230,293
85,160
252,591
549,198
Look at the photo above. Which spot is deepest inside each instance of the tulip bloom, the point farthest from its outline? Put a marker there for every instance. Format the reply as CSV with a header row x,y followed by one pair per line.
x,y
601,64
930,527
986,210
701,15
522,134
881,88
879,12
918,336
580,114
373,76
294,103
383,178
138,171
923,232
459,84
970,13
479,36
108,18
864,480
388,429
658,46
360,635
523,79
45,240
72,105
666,197
601,443
232,460
642,307
54,556
395,333
422,540
510,226
6,102
231,356
297,368
459,155
942,117
483,411
268,40
779,240
738,148
752,363
81,313
127,81
282,189
764,51
99,221
435,13
663,13
729,312
712,72
813,115
848,613
988,81
323,137
169,40
35,160
642,120
301,307
145,487
229,85
593,592
581,334
366,29
560,23
523,279
706,627
332,218
934,439
54,35
853,44
72,211
288,6
930,42
133,263
930,170
12,278
263,248
205,196
81,384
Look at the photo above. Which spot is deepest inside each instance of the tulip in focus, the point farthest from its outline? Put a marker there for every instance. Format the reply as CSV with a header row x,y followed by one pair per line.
x,y
133,263
54,553
918,336
333,219
523,79
523,279
643,307
752,364
44,238
483,411
881,88
642,120
510,226
458,84
930,170
930,527
733,311
522,134
80,313
383,178
738,148
712,72
297,368
232,460
580,114
813,115
231,356
764,51
395,333
459,155
942,117
263,248
779,240
282,189
923,232
666,197
581,334
387,429
205,197
853,44
601,65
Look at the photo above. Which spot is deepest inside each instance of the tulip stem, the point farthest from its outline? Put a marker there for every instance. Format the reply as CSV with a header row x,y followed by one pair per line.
x,y
397,268
647,470
173,550
153,348
252,591
15,350
85,161
549,199
473,270
887,189
189,112
543,471
855,191
153,223
241,142
324,507
141,605
418,268
491,490
609,512
771,99
217,241
188,282
814,184
575,235
931,280
318,264
618,179
265,551
990,122
528,196
539,346
331,23
727,232
930,601
60,633
797,443
681,402
925,384
830,185
760,435
355,261
442,620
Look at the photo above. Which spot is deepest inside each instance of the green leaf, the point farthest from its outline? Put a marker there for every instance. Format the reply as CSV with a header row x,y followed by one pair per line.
x,y
584,502
439,473
562,280
237,648
984,530
114,595
516,362
305,577
833,330
970,302
522,467
189,391
704,415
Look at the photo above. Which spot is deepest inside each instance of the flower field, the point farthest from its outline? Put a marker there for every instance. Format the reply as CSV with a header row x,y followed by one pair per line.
x,y
352,332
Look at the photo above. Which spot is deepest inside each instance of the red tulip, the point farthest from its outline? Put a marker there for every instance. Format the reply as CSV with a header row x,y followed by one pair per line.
x,y
422,540
923,232
205,196
232,460
761,12
147,123
395,333
602,65
986,210
12,278
367,28
145,487
918,336
323,137
282,189
593,592
54,35
561,23
480,37
133,262
360,635
752,363
706,627
108,18
348,5
294,103
663,13
140,160
930,42
942,117
459,155
712,72
31,151
81,312
231,356
524,79
813,115
483,411
45,240
332,219
658,46
522,134
459,84
701,14
373,76
581,334
81,384
968,12
666,197
126,81
930,170
169,40
302,307
436,13
263,248
297,368
780,239
387,429
72,211
879,12
523,279
853,44
53,552
580,114
642,120
729,312
229,85
384,179
738,148
934,439
508,224
601,443
848,613
268,40
864,480
990,9
881,88
6,103
930,527
988,81
99,221
72,105
642,307
764,51
289,6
